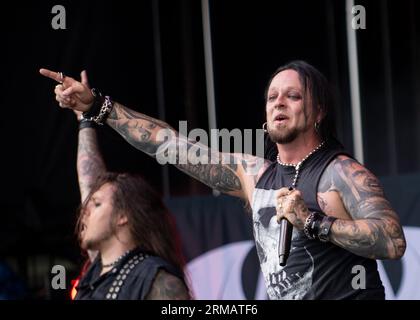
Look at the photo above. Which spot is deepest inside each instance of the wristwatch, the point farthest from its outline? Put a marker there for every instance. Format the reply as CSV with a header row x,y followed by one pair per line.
x,y
325,227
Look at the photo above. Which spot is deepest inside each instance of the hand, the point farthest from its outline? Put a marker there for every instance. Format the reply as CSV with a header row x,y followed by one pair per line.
x,y
71,93
290,205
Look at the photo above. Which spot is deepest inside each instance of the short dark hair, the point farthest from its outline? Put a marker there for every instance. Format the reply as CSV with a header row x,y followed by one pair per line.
x,y
314,83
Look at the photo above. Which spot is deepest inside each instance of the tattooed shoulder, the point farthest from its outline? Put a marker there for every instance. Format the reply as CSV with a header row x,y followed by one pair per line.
x,y
168,287
360,190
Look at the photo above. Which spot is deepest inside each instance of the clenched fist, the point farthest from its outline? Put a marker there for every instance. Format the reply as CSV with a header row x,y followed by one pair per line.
x,y
290,205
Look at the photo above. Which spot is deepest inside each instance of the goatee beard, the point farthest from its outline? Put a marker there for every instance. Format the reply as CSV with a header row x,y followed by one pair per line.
x,y
283,136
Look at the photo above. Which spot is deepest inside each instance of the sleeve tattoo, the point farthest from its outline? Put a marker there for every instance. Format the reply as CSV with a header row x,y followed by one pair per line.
x,y
89,161
220,171
375,231
168,287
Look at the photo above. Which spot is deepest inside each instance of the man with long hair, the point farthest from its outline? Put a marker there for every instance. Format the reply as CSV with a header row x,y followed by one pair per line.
x,y
340,215
133,248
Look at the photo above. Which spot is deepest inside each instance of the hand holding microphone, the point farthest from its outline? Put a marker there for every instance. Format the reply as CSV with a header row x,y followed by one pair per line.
x,y
291,212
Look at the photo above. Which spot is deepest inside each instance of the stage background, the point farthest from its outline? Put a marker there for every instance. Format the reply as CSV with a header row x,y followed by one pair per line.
x,y
117,42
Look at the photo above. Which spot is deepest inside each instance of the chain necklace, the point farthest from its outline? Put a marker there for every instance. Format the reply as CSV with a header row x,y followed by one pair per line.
x,y
298,165
115,261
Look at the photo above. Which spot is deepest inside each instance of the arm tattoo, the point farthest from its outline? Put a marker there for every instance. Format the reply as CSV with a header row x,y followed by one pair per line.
x,y
168,287
217,170
375,231
89,161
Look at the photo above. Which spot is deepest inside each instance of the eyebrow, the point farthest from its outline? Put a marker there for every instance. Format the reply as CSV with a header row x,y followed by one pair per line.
x,y
286,89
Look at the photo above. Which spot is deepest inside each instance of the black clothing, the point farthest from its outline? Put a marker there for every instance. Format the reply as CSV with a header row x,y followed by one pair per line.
x,y
130,279
314,270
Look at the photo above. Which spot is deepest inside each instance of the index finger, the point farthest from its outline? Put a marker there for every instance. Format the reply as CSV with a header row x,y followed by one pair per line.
x,y
50,74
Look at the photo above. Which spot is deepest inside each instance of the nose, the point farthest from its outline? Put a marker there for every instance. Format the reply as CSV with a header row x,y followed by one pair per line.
x,y
86,211
279,103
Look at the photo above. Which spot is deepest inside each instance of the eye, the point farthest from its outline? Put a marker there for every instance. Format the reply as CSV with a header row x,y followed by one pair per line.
x,y
294,96
96,204
272,98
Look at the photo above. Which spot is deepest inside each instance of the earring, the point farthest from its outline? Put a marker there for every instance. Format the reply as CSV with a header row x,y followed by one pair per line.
x,y
264,126
317,126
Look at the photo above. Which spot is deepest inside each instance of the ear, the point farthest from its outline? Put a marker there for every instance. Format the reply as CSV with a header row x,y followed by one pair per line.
x,y
320,115
122,219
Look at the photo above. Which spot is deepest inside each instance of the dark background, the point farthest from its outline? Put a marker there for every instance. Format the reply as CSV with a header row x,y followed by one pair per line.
x,y
114,42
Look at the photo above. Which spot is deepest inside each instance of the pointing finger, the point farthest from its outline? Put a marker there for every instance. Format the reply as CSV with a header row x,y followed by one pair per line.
x,y
51,74
84,78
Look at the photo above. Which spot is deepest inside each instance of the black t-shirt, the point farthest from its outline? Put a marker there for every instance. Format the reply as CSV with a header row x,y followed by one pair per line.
x,y
314,270
130,279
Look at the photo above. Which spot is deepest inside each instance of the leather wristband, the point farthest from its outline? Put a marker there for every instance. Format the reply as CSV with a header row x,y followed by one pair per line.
x,y
325,227
97,104
86,123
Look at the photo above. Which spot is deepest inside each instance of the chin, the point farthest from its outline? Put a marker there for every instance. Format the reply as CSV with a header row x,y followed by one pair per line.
x,y
87,244
282,136
84,245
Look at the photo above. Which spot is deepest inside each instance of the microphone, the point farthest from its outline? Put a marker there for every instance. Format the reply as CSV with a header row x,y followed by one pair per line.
x,y
285,239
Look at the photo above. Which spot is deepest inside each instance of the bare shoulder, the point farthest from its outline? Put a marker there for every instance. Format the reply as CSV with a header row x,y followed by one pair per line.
x,y
166,286
358,189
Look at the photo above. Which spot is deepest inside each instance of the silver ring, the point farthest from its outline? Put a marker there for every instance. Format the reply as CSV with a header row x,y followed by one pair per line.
x,y
61,77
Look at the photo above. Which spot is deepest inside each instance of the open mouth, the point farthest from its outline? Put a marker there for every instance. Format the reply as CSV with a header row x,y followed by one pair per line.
x,y
280,118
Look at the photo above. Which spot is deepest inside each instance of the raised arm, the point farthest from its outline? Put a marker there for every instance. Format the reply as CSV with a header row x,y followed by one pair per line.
x,y
89,161
234,174
374,230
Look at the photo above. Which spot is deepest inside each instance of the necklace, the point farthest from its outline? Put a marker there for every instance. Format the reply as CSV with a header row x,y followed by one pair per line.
x,y
116,261
298,165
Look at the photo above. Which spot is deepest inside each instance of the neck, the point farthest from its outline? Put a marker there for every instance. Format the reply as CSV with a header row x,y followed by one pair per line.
x,y
293,152
113,250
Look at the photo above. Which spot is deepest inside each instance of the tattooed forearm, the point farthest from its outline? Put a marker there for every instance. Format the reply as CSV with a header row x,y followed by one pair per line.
x,y
159,140
168,287
216,176
371,238
374,230
138,129
89,161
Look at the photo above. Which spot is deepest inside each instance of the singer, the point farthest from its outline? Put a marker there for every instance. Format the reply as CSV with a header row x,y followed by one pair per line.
x,y
337,208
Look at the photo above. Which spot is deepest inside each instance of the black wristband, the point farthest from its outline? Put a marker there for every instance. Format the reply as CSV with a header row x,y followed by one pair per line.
x,y
96,106
86,123
325,227
316,224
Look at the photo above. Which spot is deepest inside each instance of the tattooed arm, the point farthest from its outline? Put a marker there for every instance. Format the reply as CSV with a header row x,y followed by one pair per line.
x,y
372,228
234,174
89,161
230,173
168,287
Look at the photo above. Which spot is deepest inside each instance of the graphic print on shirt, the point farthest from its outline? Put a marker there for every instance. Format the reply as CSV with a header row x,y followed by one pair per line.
x,y
282,283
